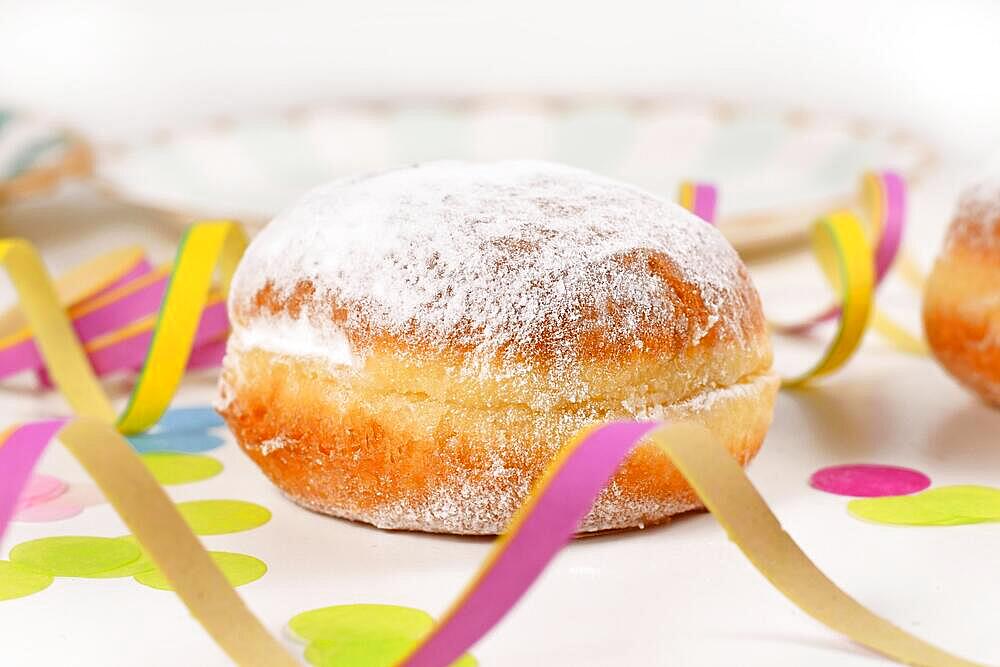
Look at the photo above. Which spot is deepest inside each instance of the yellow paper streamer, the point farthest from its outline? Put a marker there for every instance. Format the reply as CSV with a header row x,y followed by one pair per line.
x,y
897,336
154,520
909,270
883,324
838,241
843,252
107,456
205,247
728,494
80,282
64,357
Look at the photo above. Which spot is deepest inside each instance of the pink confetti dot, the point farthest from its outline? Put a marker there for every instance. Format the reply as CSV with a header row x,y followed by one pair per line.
x,y
53,510
869,480
41,488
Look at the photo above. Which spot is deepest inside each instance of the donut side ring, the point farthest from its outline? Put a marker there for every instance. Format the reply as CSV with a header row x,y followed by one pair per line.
x,y
406,461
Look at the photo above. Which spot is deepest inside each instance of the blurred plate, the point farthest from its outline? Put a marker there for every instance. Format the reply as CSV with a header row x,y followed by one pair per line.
x,y
776,171
36,154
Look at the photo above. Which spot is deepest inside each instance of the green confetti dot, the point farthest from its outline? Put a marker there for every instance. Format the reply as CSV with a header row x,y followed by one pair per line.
x,y
217,517
371,653
18,581
74,556
170,468
239,569
363,635
143,564
942,506
360,622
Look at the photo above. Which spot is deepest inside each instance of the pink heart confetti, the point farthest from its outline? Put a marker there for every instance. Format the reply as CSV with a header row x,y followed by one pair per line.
x,y
865,480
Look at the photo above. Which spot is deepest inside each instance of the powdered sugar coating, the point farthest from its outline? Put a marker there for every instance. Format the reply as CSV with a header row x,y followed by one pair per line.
x,y
978,220
411,347
494,259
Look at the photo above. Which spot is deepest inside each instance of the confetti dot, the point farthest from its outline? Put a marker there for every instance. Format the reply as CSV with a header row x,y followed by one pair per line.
x,y
74,556
52,510
239,569
363,635
169,468
943,506
190,443
360,622
18,581
196,418
372,653
216,517
869,481
143,564
41,488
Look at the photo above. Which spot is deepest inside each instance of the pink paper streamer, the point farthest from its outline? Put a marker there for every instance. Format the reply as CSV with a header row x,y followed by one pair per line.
x,y
121,312
705,198
895,221
100,320
551,523
128,353
18,457
894,206
141,268
131,352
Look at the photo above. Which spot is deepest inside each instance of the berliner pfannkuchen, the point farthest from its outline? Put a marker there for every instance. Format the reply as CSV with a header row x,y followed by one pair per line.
x,y
962,303
411,348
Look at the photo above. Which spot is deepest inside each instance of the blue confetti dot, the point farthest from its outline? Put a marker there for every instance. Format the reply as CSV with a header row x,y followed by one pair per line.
x,y
186,420
188,443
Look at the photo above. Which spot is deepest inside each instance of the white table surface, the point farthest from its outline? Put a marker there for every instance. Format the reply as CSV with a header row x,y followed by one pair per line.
x,y
679,594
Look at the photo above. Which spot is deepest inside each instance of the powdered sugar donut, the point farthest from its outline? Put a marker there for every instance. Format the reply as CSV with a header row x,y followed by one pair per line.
x,y
412,348
962,303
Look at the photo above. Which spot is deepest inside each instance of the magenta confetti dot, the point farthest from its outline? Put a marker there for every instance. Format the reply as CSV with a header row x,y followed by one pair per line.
x,y
865,480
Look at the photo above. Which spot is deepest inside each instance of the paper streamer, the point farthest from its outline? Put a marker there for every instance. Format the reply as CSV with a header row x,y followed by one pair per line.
x,y
851,267
883,194
112,313
840,247
546,522
568,489
94,437
89,279
699,198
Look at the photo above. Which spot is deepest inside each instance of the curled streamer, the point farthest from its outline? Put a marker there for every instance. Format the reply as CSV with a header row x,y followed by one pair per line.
x,y
852,267
542,526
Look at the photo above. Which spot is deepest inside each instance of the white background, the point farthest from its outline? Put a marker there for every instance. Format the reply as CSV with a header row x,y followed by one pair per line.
x,y
118,67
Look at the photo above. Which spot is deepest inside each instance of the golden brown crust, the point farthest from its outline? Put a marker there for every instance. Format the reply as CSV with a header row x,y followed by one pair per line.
x,y
655,337
412,348
962,303
406,461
